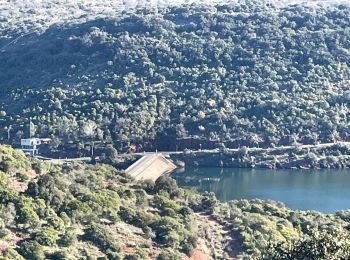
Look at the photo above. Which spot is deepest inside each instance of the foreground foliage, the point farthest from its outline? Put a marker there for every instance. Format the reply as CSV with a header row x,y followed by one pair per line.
x,y
269,230
83,211
319,245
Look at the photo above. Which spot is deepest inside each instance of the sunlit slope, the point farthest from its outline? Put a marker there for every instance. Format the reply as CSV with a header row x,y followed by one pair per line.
x,y
238,74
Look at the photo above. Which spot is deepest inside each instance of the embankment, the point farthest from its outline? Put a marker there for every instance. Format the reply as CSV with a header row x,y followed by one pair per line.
x,y
335,156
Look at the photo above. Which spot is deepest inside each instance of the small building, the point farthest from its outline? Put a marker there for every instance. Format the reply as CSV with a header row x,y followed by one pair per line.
x,y
31,146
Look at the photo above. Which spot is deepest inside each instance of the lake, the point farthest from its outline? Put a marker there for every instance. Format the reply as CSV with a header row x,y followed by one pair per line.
x,y
327,191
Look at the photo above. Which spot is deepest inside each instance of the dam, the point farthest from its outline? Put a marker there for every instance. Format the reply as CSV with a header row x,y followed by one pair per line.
x,y
150,167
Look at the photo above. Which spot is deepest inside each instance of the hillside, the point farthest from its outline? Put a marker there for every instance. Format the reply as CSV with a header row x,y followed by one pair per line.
x,y
39,15
84,211
183,77
36,16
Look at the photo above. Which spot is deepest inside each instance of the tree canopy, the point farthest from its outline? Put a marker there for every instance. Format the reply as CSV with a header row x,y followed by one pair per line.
x,y
239,74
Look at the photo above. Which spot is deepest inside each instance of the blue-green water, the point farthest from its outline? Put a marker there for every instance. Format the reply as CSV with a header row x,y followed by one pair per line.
x,y
322,190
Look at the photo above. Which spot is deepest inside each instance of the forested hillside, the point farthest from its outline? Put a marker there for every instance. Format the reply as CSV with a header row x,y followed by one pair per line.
x,y
83,211
89,212
178,77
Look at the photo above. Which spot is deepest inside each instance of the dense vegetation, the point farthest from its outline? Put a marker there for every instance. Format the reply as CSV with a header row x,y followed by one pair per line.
x,y
269,230
335,155
83,211
197,75
89,212
179,77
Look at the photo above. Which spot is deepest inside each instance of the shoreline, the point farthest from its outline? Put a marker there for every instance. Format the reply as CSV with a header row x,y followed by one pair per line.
x,y
326,156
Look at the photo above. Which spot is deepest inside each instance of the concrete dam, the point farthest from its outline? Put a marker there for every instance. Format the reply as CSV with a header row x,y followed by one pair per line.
x,y
150,167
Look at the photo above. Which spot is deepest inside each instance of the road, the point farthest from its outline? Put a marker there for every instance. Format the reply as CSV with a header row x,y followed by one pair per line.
x,y
165,153
249,149
65,160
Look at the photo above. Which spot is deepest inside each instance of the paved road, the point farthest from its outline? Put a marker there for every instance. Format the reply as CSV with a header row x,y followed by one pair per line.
x,y
66,160
249,149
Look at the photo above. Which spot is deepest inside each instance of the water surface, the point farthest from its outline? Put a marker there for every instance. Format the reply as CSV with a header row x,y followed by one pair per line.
x,y
322,190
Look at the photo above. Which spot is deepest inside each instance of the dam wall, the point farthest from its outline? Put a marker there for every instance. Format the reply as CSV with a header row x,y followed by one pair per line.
x,y
150,167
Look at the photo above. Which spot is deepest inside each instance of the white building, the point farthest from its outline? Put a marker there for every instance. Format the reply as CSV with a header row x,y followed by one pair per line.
x,y
31,146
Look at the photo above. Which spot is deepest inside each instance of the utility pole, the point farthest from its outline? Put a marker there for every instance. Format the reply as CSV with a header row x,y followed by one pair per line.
x,y
8,133
30,127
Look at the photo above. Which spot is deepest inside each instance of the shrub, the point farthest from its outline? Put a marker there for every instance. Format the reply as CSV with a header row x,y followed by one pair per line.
x,y
171,239
114,255
11,254
102,237
188,249
167,184
319,245
163,203
60,255
4,232
132,257
56,222
27,215
141,198
168,255
69,237
148,233
147,185
103,201
3,179
167,231
32,250
47,237
208,202
79,210
22,176
127,214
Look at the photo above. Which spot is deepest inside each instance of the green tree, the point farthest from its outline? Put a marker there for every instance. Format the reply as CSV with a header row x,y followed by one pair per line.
x,y
32,250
